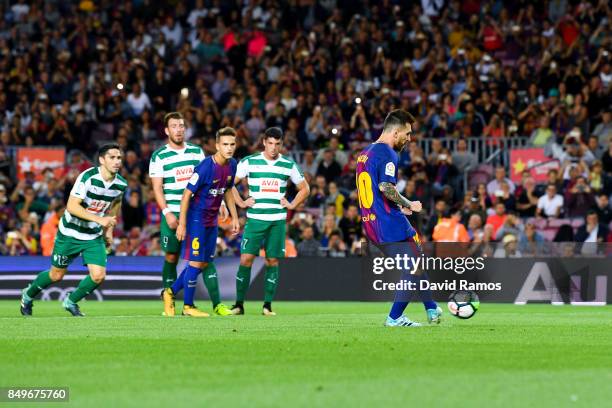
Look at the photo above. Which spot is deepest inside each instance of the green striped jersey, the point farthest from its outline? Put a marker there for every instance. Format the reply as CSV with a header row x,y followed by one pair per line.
x,y
97,196
175,167
268,184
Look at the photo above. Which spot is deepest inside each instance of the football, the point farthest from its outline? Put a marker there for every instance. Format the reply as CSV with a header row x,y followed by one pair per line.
x,y
463,303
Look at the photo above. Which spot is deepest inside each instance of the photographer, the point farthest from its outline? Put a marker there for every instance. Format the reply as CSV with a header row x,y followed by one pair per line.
x,y
579,198
444,173
21,241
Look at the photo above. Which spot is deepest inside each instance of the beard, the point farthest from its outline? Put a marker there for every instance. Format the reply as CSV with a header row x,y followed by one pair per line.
x,y
177,140
399,146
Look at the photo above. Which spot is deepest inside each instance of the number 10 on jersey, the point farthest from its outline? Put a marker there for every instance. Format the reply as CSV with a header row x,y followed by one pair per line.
x,y
364,189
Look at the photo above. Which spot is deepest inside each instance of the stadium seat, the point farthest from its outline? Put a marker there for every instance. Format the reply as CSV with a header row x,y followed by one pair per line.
x,y
483,173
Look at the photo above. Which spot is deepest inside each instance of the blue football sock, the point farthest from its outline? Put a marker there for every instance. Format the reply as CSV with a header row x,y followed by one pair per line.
x,y
426,296
402,297
179,284
191,280
397,309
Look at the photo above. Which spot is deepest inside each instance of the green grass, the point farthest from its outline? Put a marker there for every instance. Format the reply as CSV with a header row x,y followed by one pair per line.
x,y
311,354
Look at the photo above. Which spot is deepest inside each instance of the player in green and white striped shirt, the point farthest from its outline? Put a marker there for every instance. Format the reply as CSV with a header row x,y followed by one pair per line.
x,y
170,169
267,174
89,219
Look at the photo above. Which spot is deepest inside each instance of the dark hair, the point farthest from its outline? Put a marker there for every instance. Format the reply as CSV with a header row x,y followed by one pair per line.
x,y
172,115
274,132
591,212
226,131
105,148
565,233
397,118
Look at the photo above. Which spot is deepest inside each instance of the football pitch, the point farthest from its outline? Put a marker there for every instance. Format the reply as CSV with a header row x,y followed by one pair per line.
x,y
312,354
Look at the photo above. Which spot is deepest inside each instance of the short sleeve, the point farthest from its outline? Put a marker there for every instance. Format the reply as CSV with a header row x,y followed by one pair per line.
x,y
231,181
296,174
198,178
243,169
156,168
202,155
79,189
387,168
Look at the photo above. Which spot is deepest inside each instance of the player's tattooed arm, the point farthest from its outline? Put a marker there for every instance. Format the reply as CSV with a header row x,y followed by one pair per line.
x,y
389,191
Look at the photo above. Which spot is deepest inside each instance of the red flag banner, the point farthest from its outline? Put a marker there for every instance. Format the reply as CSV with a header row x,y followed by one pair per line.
x,y
36,160
533,160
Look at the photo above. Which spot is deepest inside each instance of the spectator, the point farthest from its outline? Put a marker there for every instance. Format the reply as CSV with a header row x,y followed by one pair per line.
x,y
495,184
138,100
602,207
543,134
440,210
336,199
329,167
462,158
527,201
29,202
336,248
154,248
579,198
603,130
309,246
329,226
48,231
497,219
550,204
21,241
132,212
509,249
474,229
530,241
308,164
592,231
350,225
450,229
290,248
512,225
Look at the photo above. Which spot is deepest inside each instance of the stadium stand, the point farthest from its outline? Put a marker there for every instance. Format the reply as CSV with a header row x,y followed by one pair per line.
x,y
526,84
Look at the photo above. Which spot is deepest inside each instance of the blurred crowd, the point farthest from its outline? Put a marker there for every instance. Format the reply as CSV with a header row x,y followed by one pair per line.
x,y
79,73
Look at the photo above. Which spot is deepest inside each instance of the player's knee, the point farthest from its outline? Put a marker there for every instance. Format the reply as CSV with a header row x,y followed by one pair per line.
x,y
271,262
171,258
57,274
98,275
199,265
247,261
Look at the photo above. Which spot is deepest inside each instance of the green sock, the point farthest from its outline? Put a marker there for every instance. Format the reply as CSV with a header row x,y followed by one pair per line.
x,y
212,284
271,280
243,280
39,283
168,274
86,286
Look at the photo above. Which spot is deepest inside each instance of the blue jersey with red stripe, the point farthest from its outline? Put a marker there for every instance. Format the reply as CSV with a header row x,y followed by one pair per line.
x,y
208,184
382,219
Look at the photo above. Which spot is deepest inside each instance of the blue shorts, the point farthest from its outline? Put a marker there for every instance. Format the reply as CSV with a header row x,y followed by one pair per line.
x,y
200,243
411,247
